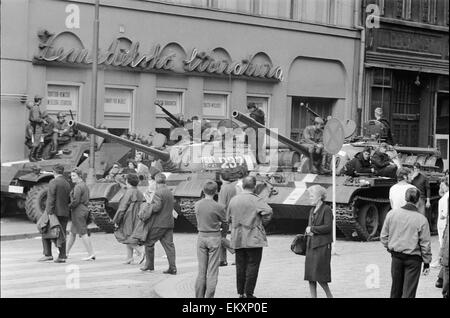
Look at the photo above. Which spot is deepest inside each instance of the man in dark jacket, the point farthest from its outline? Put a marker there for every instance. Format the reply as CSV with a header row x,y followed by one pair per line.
x,y
383,165
58,197
359,164
161,225
421,182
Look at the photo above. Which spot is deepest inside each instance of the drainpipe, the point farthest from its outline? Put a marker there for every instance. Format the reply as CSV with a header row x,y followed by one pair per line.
x,y
357,16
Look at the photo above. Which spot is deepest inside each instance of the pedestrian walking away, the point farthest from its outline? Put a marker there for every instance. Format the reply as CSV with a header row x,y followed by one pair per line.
x,y
397,191
318,245
227,191
126,219
160,226
210,216
79,214
248,213
406,235
58,198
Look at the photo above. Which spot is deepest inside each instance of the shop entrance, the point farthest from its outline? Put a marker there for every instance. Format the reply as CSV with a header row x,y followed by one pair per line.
x,y
300,117
405,113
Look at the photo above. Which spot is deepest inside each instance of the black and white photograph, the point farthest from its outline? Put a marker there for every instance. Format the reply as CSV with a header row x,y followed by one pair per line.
x,y
242,150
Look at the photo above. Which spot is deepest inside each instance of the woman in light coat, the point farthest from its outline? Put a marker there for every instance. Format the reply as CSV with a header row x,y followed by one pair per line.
x,y
126,218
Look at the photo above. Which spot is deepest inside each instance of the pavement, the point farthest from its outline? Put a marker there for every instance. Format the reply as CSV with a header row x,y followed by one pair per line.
x,y
359,270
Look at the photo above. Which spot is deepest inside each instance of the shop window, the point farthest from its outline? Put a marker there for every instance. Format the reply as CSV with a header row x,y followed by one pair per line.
x,y
214,105
381,91
118,106
63,98
171,101
301,117
262,103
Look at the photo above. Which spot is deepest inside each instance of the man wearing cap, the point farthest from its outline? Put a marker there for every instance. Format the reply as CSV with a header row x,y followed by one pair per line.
x,y
61,132
386,134
313,139
58,198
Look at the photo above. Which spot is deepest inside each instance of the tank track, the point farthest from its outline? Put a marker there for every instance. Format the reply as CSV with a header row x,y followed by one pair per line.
x,y
100,216
187,210
347,221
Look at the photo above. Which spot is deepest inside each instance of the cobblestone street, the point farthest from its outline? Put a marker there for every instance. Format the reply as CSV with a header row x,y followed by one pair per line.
x,y
359,270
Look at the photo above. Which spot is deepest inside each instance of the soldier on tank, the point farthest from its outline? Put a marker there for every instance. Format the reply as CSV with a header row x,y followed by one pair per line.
x,y
313,139
383,164
360,164
386,133
34,136
62,133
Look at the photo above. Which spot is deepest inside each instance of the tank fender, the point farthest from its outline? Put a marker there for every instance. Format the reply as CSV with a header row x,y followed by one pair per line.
x,y
190,188
103,190
344,194
36,178
7,176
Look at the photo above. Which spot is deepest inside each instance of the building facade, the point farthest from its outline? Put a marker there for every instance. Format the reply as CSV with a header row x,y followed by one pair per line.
x,y
199,57
406,69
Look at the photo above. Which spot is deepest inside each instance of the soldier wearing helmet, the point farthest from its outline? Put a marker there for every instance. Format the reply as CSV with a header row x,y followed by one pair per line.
x,y
62,133
313,139
34,137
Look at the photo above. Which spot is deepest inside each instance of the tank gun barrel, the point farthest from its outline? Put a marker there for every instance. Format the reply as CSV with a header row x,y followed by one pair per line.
x,y
252,123
172,119
134,145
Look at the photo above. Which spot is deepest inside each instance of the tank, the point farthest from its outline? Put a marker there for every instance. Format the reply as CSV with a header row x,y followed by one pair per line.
x,y
362,203
187,165
24,184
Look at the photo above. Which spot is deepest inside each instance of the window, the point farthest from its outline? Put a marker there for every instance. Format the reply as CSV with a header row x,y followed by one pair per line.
x,y
262,103
245,6
215,105
63,98
280,8
313,10
171,101
118,106
406,14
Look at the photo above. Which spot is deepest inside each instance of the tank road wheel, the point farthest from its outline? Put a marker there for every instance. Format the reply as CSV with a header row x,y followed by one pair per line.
x,y
102,215
35,201
368,218
384,209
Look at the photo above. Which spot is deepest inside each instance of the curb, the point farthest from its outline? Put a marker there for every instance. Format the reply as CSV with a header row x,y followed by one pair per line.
x,y
20,236
168,287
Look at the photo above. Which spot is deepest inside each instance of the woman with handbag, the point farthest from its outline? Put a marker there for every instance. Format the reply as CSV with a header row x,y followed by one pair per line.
x,y
126,218
79,214
319,238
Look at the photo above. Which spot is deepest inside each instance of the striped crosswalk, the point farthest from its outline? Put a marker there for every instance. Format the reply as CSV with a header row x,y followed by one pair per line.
x,y
107,276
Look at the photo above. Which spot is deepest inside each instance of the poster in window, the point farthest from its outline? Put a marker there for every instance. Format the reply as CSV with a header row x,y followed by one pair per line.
x,y
118,101
214,105
62,98
171,101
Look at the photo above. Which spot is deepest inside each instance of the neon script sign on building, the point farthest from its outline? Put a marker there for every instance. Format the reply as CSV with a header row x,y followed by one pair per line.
x,y
116,55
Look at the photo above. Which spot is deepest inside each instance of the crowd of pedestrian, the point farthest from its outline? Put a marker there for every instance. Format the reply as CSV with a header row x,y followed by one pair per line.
x,y
240,211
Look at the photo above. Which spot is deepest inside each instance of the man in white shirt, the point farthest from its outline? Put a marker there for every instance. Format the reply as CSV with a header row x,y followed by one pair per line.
x,y
397,191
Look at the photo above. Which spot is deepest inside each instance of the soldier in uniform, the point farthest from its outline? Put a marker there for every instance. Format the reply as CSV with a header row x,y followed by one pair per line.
x,y
258,115
382,163
61,132
34,137
313,139
386,134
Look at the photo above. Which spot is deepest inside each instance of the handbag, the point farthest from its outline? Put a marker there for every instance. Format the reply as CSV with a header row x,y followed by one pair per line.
x,y
298,245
